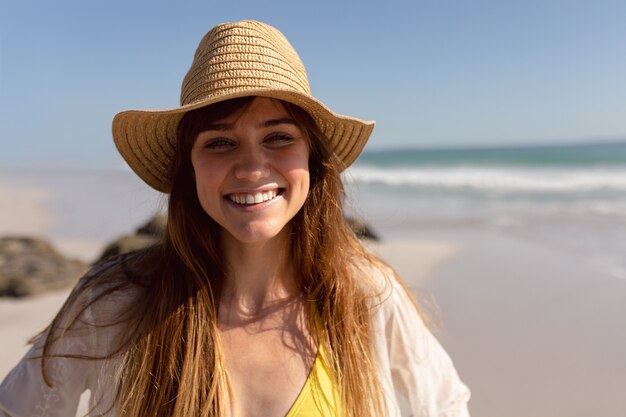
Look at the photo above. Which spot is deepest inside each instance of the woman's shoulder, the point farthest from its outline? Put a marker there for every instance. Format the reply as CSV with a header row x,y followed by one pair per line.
x,y
408,355
389,295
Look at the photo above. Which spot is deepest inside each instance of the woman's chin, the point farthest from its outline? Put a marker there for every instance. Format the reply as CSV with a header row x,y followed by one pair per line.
x,y
256,235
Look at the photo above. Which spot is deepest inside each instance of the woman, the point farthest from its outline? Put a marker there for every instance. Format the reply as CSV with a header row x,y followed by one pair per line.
x,y
259,301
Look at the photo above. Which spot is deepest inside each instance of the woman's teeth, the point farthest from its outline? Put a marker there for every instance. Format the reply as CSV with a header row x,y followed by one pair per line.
x,y
255,198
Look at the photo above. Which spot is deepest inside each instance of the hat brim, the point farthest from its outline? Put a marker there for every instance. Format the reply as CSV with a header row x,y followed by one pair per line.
x,y
147,138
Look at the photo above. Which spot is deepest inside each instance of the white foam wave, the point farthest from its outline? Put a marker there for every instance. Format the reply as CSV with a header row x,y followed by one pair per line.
x,y
494,178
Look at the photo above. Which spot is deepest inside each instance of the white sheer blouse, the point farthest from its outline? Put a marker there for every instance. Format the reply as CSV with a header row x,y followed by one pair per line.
x,y
409,359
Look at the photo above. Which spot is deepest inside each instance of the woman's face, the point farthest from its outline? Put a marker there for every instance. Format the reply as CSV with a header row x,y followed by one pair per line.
x,y
251,170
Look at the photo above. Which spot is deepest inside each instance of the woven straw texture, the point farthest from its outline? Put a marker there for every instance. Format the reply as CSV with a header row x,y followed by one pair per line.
x,y
233,60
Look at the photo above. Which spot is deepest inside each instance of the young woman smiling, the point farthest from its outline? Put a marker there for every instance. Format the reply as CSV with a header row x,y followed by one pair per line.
x,y
259,300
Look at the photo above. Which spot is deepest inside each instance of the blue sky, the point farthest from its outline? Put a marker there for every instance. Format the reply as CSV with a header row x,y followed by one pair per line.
x,y
431,73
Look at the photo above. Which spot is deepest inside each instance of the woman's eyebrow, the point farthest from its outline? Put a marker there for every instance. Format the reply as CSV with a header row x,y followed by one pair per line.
x,y
223,127
274,122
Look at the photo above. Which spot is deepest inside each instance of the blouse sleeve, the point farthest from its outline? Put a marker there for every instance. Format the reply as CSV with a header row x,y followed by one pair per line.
x,y
24,393
413,361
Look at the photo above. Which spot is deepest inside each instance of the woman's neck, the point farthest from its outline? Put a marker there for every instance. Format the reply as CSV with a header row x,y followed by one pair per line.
x,y
260,276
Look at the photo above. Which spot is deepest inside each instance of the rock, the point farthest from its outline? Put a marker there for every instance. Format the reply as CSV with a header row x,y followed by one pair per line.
x,y
154,227
146,235
125,244
30,266
361,229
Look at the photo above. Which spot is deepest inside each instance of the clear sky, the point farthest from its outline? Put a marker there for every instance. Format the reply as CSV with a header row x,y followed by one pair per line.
x,y
431,73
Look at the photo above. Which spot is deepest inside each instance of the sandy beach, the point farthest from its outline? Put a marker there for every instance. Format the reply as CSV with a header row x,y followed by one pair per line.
x,y
533,330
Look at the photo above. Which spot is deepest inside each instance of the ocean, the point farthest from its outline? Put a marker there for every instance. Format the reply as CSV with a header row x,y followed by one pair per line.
x,y
570,197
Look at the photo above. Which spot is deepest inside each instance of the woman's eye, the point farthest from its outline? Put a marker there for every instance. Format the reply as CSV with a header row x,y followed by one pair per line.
x,y
279,139
218,144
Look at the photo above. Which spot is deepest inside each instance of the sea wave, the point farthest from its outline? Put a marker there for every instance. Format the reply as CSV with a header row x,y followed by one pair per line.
x,y
494,178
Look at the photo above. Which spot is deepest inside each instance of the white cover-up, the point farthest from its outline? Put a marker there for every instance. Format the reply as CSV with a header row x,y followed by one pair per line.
x,y
409,360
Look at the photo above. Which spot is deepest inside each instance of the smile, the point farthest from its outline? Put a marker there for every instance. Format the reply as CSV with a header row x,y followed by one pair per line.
x,y
249,199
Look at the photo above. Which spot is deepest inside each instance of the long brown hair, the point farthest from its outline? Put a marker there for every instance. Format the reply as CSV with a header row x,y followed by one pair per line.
x,y
172,363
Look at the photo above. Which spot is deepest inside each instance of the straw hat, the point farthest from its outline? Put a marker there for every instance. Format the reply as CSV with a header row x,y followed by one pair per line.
x,y
246,58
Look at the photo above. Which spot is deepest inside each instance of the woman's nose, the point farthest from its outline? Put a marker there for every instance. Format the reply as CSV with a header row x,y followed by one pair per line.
x,y
252,164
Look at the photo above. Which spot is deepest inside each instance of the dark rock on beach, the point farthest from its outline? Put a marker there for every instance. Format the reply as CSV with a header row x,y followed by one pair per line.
x,y
125,244
30,266
154,227
146,235
362,229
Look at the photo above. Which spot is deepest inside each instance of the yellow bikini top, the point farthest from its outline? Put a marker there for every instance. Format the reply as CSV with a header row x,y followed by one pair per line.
x,y
319,396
